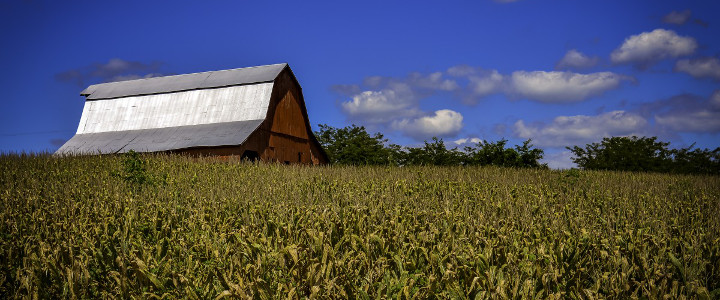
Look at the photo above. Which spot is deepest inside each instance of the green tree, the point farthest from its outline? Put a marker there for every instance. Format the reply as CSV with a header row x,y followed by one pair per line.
x,y
353,145
433,153
696,161
623,154
495,153
645,154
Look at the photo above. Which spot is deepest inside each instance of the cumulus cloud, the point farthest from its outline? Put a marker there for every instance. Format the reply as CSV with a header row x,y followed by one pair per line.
x,y
426,83
114,70
397,100
704,120
489,83
394,103
560,160
715,100
479,82
581,129
704,67
433,81
574,59
677,17
387,99
467,141
645,49
542,86
687,113
442,123
563,87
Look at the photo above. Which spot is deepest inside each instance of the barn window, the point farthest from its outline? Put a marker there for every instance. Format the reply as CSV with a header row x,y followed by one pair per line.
x,y
299,156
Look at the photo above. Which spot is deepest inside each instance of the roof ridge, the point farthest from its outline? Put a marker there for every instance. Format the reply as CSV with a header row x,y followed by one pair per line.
x,y
195,73
181,82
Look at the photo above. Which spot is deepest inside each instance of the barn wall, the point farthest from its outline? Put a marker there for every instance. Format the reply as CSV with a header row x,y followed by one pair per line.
x,y
212,151
286,126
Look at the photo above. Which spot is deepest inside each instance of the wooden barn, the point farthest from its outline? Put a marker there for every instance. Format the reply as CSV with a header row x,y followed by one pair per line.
x,y
256,112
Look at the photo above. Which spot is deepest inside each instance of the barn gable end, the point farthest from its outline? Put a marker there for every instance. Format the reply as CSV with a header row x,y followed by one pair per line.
x,y
257,112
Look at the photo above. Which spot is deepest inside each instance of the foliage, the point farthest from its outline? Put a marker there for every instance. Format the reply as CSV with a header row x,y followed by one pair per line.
x,y
353,145
645,154
495,154
696,161
134,169
71,229
432,154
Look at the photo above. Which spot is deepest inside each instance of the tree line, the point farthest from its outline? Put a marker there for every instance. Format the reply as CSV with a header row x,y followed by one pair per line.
x,y
353,145
645,154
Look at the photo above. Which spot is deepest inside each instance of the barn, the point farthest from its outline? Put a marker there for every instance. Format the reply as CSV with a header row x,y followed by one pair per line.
x,y
256,112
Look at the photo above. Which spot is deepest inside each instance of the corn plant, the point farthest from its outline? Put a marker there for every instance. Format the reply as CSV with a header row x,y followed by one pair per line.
x,y
71,227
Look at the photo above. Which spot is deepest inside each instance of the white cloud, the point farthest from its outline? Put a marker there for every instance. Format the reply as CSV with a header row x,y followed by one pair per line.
x,y
394,103
581,129
461,71
489,83
433,81
382,106
561,87
480,82
703,120
551,87
443,123
649,47
467,140
689,113
574,59
561,160
700,67
715,100
677,17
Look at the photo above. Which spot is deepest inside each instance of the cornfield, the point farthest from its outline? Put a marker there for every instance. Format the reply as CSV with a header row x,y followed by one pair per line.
x,y
162,226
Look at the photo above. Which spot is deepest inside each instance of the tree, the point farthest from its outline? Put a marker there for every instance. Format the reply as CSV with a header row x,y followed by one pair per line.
x,y
623,154
645,154
434,153
353,145
696,161
495,153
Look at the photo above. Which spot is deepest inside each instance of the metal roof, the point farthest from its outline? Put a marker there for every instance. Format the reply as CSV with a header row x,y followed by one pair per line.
x,y
166,84
183,108
161,139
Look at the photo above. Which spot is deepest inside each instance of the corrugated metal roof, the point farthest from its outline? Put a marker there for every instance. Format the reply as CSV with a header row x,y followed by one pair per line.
x,y
183,82
161,139
184,108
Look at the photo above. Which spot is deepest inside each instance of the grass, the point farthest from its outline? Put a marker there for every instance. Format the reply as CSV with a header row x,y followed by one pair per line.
x,y
159,226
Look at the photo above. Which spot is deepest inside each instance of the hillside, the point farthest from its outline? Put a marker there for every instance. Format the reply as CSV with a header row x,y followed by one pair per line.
x,y
168,226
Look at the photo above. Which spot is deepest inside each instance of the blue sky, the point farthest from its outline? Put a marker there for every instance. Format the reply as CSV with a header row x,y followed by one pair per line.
x,y
561,72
